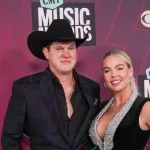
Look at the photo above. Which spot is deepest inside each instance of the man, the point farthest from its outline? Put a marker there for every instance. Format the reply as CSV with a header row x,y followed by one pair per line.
x,y
54,108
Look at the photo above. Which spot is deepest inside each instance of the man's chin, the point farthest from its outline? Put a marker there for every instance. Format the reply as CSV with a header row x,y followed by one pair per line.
x,y
66,72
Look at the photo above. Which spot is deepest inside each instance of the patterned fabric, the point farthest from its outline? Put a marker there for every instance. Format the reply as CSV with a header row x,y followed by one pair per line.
x,y
107,143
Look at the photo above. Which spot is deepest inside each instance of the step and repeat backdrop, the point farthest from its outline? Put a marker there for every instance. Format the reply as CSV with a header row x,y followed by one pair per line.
x,y
115,24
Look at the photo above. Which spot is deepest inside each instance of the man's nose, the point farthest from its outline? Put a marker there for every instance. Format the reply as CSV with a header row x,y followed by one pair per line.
x,y
66,53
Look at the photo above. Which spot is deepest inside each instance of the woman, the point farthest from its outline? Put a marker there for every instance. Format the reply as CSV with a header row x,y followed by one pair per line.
x,y
123,122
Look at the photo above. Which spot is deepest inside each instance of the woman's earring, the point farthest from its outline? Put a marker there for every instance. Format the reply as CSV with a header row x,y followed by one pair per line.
x,y
105,85
131,80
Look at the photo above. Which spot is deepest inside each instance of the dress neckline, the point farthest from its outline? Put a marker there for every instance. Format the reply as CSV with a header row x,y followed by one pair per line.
x,y
107,142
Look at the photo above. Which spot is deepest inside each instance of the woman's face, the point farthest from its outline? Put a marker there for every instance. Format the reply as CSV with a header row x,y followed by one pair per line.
x,y
117,74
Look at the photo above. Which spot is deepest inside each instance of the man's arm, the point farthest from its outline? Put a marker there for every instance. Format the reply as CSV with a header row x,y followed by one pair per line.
x,y
13,126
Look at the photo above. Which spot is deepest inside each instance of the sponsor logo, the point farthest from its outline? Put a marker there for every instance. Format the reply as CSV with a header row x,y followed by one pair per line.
x,y
148,73
144,84
145,18
51,4
80,15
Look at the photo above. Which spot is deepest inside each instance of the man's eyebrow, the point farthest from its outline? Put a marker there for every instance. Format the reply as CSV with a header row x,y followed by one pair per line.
x,y
73,44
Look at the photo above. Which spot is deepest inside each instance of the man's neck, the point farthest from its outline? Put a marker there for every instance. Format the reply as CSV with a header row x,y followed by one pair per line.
x,y
65,79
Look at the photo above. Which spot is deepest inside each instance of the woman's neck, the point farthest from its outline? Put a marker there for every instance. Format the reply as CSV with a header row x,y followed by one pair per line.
x,y
122,96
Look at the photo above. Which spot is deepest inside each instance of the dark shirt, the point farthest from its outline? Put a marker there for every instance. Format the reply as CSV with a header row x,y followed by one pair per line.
x,y
80,108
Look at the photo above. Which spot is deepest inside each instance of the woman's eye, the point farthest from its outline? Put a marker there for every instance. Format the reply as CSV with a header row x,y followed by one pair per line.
x,y
106,71
120,69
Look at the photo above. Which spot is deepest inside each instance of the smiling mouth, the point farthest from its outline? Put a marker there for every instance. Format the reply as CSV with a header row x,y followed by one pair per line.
x,y
116,82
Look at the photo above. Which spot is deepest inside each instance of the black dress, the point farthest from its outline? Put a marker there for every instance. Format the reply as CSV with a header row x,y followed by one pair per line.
x,y
123,131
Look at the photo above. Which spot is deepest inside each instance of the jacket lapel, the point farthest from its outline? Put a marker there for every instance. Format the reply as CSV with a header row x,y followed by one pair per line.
x,y
92,102
50,102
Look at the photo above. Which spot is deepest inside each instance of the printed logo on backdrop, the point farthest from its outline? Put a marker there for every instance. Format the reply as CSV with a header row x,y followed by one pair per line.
x,y
80,15
51,4
144,83
145,18
143,22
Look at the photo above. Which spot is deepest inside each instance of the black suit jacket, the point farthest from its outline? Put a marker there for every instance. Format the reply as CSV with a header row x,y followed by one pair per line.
x,y
33,110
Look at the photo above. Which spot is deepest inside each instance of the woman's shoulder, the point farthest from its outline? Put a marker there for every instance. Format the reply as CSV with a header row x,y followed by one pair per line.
x,y
139,103
144,101
141,99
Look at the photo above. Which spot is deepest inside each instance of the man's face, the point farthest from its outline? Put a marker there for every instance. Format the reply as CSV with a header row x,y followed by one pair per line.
x,y
61,57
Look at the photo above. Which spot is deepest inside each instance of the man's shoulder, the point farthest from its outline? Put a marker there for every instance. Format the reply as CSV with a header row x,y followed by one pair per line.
x,y
33,78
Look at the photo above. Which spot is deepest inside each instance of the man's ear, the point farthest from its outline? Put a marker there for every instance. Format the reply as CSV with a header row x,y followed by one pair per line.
x,y
45,52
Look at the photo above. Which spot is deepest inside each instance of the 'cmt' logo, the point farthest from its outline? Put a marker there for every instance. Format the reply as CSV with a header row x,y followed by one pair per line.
x,y
145,18
148,73
51,4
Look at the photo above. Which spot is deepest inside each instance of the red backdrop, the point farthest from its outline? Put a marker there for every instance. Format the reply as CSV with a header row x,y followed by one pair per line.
x,y
117,24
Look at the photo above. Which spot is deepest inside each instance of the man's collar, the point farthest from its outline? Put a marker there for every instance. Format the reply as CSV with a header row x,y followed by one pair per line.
x,y
54,77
